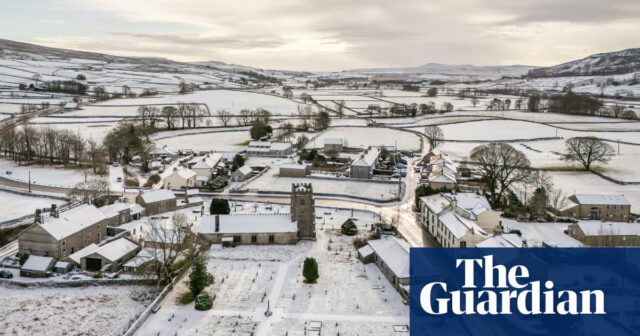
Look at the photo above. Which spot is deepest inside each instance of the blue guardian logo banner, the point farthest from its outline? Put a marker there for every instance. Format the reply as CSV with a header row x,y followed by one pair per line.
x,y
527,291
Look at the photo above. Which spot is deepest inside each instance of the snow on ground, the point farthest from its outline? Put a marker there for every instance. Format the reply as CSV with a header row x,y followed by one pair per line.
x,y
536,234
270,181
14,206
232,101
97,131
42,175
366,136
349,297
587,183
71,311
201,141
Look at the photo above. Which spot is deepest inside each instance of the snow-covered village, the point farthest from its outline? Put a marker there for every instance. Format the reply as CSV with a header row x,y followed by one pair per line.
x,y
147,188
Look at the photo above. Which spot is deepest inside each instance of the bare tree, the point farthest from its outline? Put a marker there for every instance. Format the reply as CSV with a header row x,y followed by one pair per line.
x,y
166,243
340,108
434,136
36,78
89,191
587,151
557,200
474,101
224,117
501,166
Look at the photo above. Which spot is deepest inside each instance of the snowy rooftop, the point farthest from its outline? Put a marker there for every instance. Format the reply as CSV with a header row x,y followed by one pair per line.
x,y
503,240
436,203
599,228
602,199
395,253
206,162
458,225
116,249
114,209
76,257
245,170
294,166
157,195
72,221
333,141
37,263
249,223
185,173
368,158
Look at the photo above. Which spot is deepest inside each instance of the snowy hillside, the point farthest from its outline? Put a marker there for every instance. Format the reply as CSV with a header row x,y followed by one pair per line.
x,y
613,63
444,72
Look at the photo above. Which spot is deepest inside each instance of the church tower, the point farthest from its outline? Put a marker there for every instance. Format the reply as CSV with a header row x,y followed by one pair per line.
x,y
303,210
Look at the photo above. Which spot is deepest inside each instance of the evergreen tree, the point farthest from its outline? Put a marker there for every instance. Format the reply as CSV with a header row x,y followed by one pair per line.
x,y
310,270
199,278
219,207
349,228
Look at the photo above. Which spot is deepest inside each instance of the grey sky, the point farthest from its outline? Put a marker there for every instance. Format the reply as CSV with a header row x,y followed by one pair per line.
x,y
331,34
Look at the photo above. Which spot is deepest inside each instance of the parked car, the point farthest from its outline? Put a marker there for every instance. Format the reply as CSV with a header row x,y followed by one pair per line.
x,y
4,274
119,179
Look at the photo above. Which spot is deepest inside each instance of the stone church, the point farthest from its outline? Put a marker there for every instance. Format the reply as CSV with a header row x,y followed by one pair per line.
x,y
303,210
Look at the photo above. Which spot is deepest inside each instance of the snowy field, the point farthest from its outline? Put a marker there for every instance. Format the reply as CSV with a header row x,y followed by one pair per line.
x,y
350,298
14,206
201,141
42,175
270,181
364,137
71,311
585,183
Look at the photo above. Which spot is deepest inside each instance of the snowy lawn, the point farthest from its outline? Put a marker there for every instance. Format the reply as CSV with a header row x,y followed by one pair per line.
x,y
219,141
42,175
71,311
586,183
14,206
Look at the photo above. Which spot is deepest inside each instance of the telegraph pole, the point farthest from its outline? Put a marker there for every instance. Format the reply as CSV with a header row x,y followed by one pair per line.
x,y
29,181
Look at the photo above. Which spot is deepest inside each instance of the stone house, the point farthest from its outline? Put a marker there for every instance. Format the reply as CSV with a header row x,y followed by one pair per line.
x,y
613,208
242,174
181,178
605,234
362,168
333,145
294,170
64,233
458,220
157,201
391,255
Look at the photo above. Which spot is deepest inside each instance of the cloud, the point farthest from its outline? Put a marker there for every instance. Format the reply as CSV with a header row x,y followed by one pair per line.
x,y
338,34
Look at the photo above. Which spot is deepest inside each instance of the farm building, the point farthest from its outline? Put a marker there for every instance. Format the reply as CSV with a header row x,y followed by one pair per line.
x,y
270,149
157,201
613,208
117,213
110,256
64,233
605,234
294,170
333,145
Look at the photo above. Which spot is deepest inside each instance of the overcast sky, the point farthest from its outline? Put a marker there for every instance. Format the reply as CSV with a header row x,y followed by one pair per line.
x,y
331,34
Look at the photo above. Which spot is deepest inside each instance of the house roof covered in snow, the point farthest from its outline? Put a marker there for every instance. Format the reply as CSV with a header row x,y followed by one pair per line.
x,y
116,249
599,228
76,257
294,166
72,221
436,203
502,240
114,209
333,141
458,225
368,159
159,195
602,199
395,254
245,170
250,223
38,264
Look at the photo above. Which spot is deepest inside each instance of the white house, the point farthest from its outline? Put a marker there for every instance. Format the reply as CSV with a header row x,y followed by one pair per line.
x,y
180,178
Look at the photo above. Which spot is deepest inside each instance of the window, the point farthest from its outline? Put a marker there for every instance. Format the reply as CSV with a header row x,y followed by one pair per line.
x,y
254,239
463,244
64,243
272,238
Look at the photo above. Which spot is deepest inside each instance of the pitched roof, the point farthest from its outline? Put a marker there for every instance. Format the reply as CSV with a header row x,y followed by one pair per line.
x,y
159,195
114,209
436,203
503,240
37,263
116,249
245,170
250,223
72,221
599,228
458,225
333,141
76,257
368,158
602,199
395,254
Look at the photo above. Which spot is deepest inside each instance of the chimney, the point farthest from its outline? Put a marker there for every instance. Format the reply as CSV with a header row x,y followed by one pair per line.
x,y
54,211
38,216
186,196
217,219
454,202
